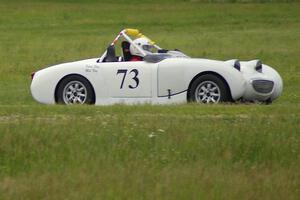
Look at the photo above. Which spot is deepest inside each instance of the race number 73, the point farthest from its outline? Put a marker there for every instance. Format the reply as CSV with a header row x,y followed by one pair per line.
x,y
134,73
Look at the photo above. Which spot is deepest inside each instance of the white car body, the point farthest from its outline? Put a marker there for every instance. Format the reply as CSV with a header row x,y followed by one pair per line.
x,y
164,80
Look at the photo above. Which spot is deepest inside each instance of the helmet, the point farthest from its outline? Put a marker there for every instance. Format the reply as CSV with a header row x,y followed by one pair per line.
x,y
144,44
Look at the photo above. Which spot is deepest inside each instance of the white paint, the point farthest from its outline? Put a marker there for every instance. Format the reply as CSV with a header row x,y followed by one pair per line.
x,y
155,79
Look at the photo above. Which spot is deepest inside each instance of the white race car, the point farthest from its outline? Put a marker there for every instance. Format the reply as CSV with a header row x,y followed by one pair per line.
x,y
163,76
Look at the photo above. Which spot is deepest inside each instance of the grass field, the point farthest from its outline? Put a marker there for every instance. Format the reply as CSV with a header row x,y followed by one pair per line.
x,y
148,152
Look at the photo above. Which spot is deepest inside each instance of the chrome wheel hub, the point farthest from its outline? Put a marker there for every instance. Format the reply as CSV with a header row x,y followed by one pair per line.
x,y
74,93
207,92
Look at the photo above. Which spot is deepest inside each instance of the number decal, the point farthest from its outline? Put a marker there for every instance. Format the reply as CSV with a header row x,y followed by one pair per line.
x,y
137,81
135,77
122,71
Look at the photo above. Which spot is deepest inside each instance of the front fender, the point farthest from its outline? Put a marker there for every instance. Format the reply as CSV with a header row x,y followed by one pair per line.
x,y
176,74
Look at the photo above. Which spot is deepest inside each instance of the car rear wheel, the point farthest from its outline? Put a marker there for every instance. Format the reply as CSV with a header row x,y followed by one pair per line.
x,y
75,89
208,89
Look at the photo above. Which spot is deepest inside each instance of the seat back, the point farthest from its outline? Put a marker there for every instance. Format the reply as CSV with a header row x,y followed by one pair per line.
x,y
126,51
110,54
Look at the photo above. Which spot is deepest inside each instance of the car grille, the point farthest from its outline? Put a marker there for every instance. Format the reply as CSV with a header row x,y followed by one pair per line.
x,y
263,86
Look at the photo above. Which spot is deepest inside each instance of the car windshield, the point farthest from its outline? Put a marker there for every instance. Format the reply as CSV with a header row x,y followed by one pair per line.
x,y
157,57
149,48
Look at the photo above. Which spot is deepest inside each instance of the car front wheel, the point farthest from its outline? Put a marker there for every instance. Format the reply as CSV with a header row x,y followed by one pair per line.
x,y
208,89
75,89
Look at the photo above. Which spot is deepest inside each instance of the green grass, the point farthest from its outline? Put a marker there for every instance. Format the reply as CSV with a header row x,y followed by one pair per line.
x,y
148,152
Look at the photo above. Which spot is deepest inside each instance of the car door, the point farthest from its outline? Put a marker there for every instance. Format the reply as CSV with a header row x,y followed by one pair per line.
x,y
128,79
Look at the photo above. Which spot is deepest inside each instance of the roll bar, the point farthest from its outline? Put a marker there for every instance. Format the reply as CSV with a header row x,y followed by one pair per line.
x,y
126,33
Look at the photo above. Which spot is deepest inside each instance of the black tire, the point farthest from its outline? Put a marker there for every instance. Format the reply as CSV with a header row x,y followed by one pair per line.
x,y
268,101
214,90
83,92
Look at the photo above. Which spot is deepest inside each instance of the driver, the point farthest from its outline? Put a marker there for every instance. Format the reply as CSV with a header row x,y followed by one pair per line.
x,y
144,44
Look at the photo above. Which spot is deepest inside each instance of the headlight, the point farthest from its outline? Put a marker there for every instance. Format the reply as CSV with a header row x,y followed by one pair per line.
x,y
237,65
258,66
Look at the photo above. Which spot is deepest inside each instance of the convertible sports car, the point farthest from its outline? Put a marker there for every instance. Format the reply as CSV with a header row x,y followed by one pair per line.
x,y
163,76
